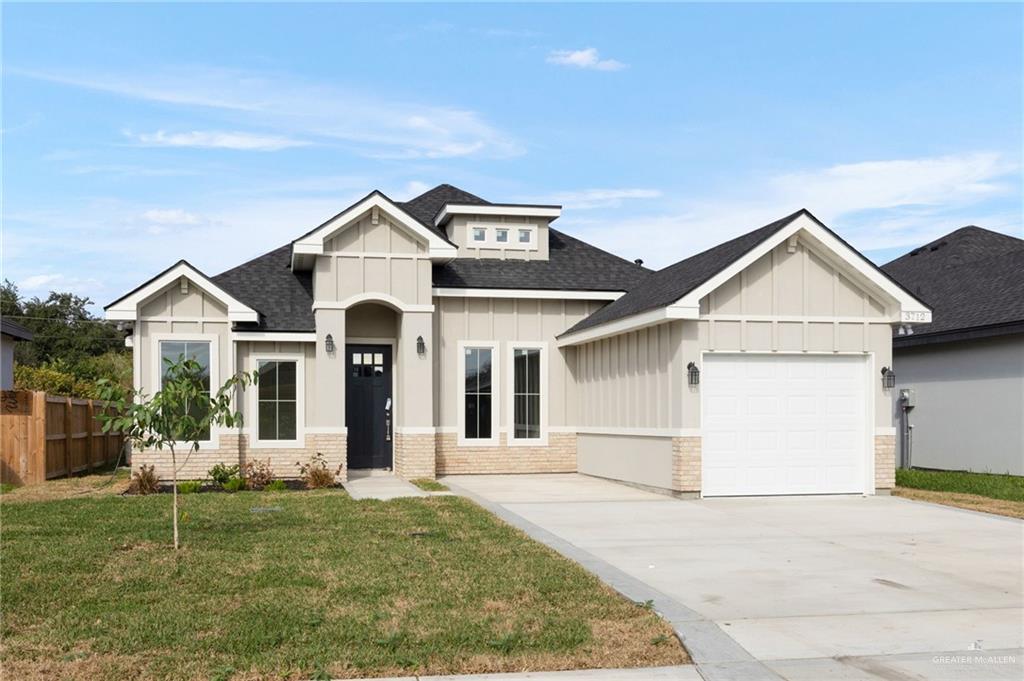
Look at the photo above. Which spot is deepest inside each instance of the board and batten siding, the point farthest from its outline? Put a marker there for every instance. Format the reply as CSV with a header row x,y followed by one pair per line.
x,y
373,258
504,320
457,231
794,303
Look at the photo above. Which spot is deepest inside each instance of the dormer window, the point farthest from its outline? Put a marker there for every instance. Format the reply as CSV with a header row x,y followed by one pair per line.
x,y
479,234
501,236
524,236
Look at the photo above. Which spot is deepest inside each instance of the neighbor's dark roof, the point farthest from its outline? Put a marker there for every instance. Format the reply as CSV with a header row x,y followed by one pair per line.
x,y
972,278
284,298
668,285
9,328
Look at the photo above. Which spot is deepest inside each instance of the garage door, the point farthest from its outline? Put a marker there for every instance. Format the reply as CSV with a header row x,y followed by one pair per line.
x,y
783,424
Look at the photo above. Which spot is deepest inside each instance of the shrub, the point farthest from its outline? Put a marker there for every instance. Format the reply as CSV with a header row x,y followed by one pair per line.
x,y
53,379
234,485
315,472
189,486
220,473
258,474
275,486
144,481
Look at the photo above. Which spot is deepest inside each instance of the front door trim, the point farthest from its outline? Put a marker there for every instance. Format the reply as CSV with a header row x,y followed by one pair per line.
x,y
390,344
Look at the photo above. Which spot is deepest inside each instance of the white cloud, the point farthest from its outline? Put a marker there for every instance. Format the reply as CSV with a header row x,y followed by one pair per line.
x,y
873,205
173,216
213,139
42,284
412,189
588,58
313,111
586,199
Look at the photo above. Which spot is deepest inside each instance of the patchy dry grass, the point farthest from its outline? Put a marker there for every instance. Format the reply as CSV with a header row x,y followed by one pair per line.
x,y
100,483
326,584
429,485
974,502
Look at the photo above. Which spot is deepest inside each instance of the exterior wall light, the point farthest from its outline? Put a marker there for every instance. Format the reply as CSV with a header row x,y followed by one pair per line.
x,y
421,346
692,374
329,344
888,378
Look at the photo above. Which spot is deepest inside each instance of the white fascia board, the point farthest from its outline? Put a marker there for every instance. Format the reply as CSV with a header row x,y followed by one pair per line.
x,y
511,211
911,309
126,309
627,324
545,294
313,244
282,336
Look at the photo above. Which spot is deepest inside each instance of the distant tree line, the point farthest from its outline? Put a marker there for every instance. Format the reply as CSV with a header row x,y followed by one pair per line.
x,y
71,350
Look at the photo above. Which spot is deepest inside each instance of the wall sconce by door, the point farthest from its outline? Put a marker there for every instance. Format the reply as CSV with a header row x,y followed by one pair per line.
x,y
888,378
329,344
692,374
421,346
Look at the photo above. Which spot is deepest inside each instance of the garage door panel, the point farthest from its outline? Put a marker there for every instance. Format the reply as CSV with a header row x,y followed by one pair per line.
x,y
783,424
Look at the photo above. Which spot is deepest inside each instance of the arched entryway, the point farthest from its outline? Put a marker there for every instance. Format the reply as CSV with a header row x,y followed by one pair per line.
x,y
370,378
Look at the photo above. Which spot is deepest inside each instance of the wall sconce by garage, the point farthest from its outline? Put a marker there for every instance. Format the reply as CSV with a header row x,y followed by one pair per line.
x,y
329,344
421,346
888,378
692,374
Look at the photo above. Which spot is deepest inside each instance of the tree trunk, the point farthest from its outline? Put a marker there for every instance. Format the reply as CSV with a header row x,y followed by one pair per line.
x,y
174,494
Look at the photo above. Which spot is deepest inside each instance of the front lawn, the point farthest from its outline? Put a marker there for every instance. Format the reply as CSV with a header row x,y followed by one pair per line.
x,y
296,585
1001,494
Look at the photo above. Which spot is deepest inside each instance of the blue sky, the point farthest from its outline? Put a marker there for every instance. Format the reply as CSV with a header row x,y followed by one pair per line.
x,y
135,135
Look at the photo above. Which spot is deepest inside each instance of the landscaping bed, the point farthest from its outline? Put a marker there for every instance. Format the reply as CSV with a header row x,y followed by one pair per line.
x,y
988,492
323,586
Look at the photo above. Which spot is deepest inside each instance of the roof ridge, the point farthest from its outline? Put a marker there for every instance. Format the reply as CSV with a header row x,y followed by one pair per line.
x,y
598,248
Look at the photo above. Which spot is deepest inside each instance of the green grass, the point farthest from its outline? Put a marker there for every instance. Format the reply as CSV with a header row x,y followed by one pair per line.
x,y
994,486
327,584
429,485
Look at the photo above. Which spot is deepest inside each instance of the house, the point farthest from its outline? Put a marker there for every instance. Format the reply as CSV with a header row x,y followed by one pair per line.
x,y
965,369
10,333
448,334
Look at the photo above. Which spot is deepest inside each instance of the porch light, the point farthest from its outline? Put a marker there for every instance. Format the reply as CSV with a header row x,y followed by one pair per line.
x,y
421,346
888,378
329,343
692,374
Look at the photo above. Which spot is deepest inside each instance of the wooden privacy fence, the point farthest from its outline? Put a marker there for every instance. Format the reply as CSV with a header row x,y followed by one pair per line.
x,y
45,436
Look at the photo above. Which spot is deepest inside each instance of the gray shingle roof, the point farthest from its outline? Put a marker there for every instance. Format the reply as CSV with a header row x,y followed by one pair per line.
x,y
284,298
668,285
14,330
571,265
971,278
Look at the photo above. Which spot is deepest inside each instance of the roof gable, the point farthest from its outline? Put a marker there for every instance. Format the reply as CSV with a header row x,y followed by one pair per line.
x,y
126,307
675,291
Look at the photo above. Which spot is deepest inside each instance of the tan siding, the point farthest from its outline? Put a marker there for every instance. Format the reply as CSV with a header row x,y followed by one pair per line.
x,y
456,230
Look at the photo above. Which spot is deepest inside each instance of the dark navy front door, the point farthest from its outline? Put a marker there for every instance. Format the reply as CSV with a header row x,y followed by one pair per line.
x,y
369,409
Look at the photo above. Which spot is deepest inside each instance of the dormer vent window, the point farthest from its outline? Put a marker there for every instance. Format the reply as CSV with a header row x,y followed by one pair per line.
x,y
479,234
501,236
524,236
515,237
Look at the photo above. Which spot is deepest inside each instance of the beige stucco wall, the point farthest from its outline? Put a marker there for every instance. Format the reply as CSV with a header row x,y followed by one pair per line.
x,y
638,459
457,234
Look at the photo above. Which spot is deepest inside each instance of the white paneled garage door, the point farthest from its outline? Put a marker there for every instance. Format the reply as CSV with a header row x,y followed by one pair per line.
x,y
783,424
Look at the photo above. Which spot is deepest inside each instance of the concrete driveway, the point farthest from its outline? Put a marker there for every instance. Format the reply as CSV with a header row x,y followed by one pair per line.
x,y
836,587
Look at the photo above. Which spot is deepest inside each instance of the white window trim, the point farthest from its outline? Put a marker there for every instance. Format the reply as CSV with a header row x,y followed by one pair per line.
x,y
252,425
215,379
460,385
451,209
491,236
545,393
126,308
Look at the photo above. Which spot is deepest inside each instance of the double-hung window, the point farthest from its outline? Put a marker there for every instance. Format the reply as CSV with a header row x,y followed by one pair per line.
x,y
172,352
278,405
528,393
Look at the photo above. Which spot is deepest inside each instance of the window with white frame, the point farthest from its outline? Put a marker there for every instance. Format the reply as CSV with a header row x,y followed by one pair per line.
x,y
278,405
173,352
478,402
502,235
526,393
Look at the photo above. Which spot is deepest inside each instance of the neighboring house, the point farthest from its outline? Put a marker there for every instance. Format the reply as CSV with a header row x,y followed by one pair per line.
x,y
965,368
10,333
448,334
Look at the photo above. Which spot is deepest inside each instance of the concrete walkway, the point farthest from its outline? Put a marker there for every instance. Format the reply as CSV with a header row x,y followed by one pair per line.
x,y
381,485
850,588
